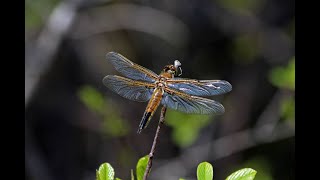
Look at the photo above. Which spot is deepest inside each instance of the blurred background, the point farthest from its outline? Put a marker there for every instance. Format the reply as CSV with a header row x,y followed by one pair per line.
x,y
73,123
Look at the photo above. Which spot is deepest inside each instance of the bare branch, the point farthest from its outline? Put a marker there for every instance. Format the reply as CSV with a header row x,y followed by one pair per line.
x,y
161,121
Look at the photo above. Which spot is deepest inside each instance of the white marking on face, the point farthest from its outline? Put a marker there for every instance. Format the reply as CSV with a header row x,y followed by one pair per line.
x,y
177,63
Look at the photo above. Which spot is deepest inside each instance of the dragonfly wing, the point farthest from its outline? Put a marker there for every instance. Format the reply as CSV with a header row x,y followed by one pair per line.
x,y
130,69
190,104
200,87
130,89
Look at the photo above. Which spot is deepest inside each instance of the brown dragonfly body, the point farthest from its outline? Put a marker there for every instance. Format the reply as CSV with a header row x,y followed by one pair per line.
x,y
176,93
156,97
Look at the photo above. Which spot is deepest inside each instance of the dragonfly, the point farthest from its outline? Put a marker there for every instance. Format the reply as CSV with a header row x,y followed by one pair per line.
x,y
167,88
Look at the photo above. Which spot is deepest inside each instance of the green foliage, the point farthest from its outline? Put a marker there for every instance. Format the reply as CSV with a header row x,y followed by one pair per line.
x,y
92,98
186,127
205,171
112,123
105,172
243,174
141,167
284,77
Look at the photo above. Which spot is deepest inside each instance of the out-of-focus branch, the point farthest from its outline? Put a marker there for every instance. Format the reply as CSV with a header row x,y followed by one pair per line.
x,y
40,57
271,112
132,17
221,148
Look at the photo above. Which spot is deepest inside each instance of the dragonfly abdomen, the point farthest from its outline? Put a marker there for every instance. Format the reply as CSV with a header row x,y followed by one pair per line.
x,y
153,104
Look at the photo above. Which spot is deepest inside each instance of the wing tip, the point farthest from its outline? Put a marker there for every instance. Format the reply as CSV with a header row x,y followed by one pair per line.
x,y
105,79
217,108
229,86
111,53
221,110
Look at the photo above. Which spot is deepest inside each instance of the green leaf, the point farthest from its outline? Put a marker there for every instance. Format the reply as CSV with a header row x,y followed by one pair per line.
x,y
181,179
186,127
92,98
117,179
141,167
205,171
132,176
105,172
112,123
243,174
284,77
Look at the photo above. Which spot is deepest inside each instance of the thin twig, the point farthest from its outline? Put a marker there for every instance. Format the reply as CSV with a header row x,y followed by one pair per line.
x,y
161,121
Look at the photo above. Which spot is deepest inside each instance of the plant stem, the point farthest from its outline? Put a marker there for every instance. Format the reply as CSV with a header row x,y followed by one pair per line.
x,y
155,140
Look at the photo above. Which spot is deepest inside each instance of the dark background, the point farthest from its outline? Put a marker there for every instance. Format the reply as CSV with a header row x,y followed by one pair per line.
x,y
74,123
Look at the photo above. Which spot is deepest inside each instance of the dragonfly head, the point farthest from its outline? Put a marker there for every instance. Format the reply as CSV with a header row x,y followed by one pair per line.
x,y
174,69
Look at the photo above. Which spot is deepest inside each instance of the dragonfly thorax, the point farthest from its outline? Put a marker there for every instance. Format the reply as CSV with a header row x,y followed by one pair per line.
x,y
160,85
161,82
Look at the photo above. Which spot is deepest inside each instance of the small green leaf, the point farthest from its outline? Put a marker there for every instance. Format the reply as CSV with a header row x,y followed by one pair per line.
x,y
243,174
141,167
132,176
181,179
205,171
112,123
284,77
92,98
117,179
186,127
105,172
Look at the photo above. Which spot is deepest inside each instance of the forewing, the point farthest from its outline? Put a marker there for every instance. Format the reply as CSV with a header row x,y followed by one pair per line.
x,y
130,69
130,89
200,87
190,104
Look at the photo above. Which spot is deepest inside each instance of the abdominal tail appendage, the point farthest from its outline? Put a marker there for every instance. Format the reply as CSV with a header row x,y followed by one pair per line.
x,y
144,121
